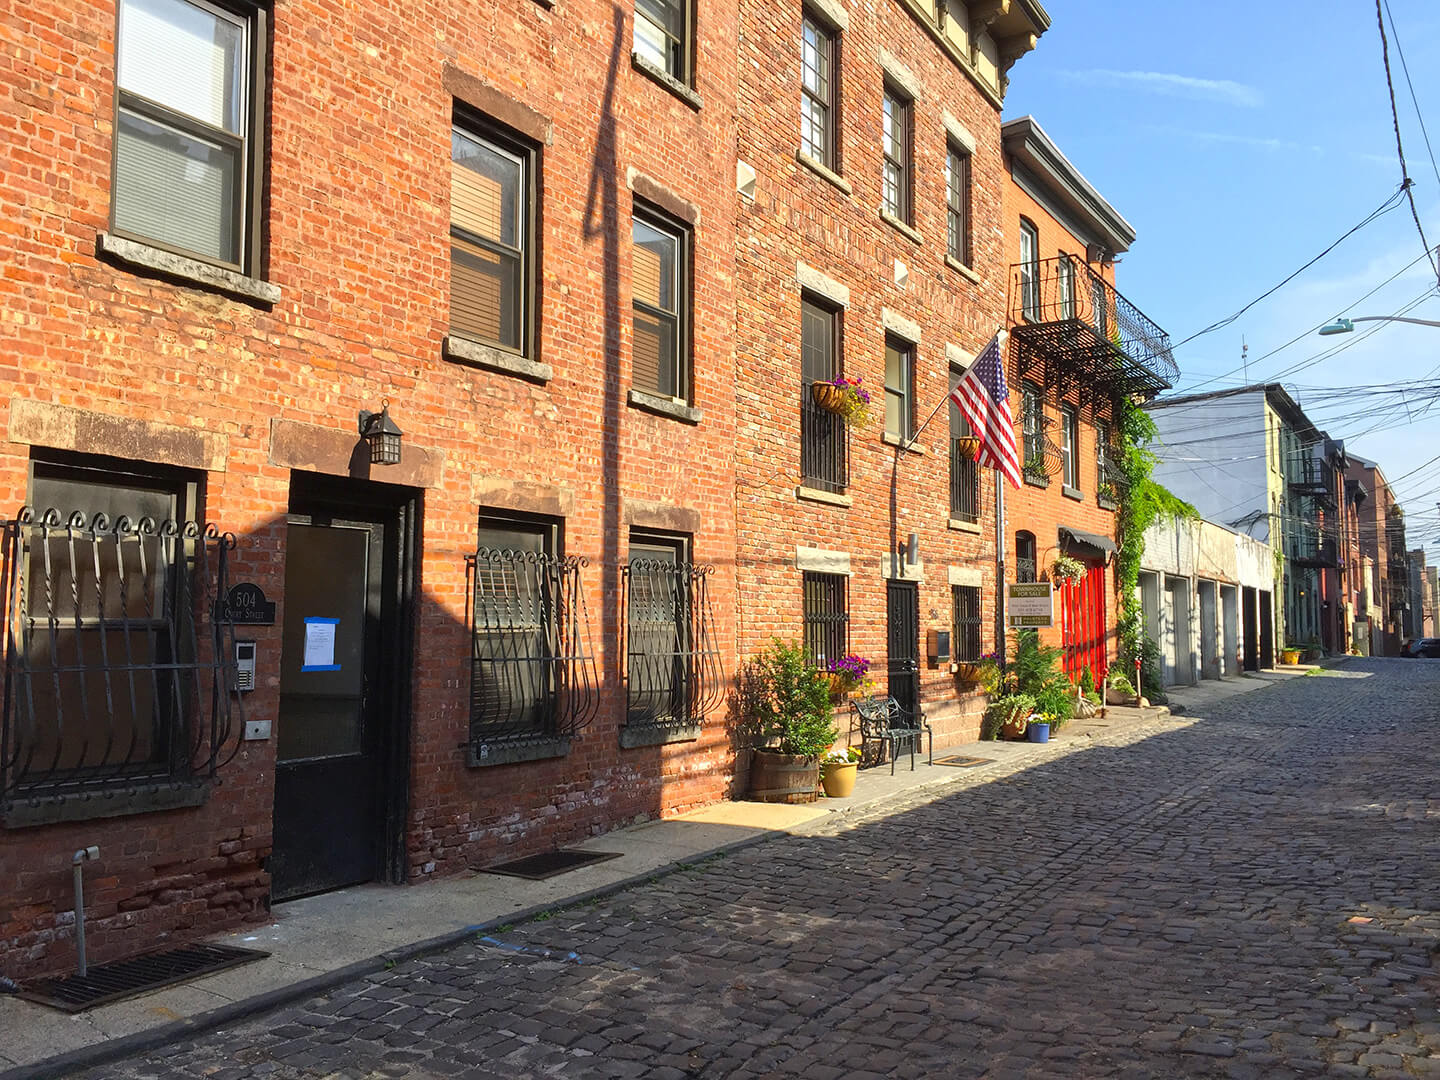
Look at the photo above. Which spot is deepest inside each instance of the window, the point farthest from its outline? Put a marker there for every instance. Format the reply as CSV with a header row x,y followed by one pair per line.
x,y
660,270
957,203
965,636
187,157
1032,427
899,388
117,669
662,36
1106,474
823,442
532,672
1065,277
818,48
1070,448
1029,269
895,189
491,181
827,618
964,473
673,672
1025,568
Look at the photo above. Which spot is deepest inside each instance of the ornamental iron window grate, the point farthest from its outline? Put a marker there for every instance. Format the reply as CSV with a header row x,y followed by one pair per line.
x,y
826,618
119,656
965,602
532,668
674,675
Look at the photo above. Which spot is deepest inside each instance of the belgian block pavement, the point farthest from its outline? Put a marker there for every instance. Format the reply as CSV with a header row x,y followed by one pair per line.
x,y
1248,890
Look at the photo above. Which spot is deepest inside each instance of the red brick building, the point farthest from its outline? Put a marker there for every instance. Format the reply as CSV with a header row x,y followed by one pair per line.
x,y
231,231
870,244
1076,346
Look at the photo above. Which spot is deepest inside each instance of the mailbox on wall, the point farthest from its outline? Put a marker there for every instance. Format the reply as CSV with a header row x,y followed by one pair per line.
x,y
937,646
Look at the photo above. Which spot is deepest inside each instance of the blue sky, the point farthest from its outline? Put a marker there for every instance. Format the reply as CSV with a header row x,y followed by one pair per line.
x,y
1241,140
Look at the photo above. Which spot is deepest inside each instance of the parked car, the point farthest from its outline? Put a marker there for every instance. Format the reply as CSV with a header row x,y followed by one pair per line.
x,y
1424,646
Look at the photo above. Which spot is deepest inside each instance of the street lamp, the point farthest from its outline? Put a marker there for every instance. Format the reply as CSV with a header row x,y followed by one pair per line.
x,y
1344,326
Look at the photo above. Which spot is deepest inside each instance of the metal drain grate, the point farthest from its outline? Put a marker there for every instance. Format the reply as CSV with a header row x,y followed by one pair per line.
x,y
138,975
963,762
539,867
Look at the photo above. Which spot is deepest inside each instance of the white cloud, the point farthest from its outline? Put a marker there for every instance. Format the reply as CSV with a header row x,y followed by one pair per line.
x,y
1169,84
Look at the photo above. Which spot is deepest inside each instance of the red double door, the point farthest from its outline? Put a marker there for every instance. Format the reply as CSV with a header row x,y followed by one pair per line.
x,y
1082,622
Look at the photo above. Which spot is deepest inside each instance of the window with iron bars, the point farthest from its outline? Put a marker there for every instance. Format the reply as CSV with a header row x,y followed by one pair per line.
x,y
824,443
532,670
965,636
1025,568
964,472
827,618
119,654
673,674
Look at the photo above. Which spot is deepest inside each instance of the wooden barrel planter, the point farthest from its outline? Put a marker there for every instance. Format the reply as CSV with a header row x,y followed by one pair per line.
x,y
783,778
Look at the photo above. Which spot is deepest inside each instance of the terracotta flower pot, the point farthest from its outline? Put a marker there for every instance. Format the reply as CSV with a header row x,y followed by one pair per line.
x,y
838,778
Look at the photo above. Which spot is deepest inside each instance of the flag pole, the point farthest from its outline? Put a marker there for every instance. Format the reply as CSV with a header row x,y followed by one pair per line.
x,y
999,569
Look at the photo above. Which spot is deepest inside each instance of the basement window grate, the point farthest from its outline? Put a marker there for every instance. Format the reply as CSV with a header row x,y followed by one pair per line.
x,y
961,762
138,975
540,867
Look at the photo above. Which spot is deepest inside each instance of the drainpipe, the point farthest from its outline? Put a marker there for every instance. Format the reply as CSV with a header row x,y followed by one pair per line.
x,y
77,867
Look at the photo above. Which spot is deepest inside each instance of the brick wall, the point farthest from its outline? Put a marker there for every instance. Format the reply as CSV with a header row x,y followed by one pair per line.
x,y
357,242
797,215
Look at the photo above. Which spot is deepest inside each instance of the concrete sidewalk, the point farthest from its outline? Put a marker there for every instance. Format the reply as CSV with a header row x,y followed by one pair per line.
x,y
322,941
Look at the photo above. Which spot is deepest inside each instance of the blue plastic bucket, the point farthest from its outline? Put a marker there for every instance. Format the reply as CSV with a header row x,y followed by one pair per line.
x,y
1036,731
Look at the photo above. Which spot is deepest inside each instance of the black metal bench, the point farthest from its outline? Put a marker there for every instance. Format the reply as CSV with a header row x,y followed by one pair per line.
x,y
895,731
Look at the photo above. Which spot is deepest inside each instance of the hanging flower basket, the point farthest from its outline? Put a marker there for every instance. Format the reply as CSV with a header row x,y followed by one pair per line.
x,y
968,446
828,396
1067,569
845,397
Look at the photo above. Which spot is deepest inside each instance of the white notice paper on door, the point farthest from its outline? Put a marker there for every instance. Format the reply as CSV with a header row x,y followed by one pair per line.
x,y
319,652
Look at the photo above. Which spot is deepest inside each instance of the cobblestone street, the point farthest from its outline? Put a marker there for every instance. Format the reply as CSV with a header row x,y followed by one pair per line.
x,y
1248,894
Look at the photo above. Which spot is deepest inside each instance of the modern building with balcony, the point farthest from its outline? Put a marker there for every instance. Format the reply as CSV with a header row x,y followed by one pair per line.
x,y
1077,346
1252,460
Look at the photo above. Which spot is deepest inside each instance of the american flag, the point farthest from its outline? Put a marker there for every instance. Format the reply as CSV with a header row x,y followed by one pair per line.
x,y
984,399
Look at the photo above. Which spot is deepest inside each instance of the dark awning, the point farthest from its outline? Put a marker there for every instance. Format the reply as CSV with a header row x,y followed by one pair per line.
x,y
1092,544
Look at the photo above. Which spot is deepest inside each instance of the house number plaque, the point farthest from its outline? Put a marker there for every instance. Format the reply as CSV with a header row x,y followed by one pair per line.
x,y
245,604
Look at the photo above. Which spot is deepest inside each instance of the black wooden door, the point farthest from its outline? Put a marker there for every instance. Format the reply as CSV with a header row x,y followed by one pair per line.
x,y
902,606
329,804
1251,630
1267,631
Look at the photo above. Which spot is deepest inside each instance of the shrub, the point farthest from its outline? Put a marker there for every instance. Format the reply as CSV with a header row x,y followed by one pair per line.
x,y
785,703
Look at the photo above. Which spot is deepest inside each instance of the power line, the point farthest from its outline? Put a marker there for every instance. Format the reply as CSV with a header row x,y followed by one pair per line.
x,y
1406,183
1384,208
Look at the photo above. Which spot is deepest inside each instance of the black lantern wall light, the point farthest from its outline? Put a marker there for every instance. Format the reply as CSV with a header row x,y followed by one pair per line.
x,y
382,434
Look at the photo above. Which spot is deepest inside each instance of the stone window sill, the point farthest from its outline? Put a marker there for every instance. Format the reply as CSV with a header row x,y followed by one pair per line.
x,y
908,231
633,736
1072,493
665,79
512,751
496,359
833,498
961,269
190,271
119,801
662,406
823,172
908,445
960,525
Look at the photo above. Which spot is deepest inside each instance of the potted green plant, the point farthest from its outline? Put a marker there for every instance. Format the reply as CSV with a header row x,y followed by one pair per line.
x,y
1290,654
837,772
785,708
1118,690
1066,568
1006,716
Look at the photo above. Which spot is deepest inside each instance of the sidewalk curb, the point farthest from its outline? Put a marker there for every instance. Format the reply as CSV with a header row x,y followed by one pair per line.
x,y
101,1053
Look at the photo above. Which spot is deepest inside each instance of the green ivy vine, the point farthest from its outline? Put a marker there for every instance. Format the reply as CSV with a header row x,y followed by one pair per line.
x,y
1145,501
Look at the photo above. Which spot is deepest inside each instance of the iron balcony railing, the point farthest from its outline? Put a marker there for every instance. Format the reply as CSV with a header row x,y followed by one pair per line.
x,y
673,671
1066,315
824,446
1312,476
532,668
119,655
964,485
1312,548
1111,480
